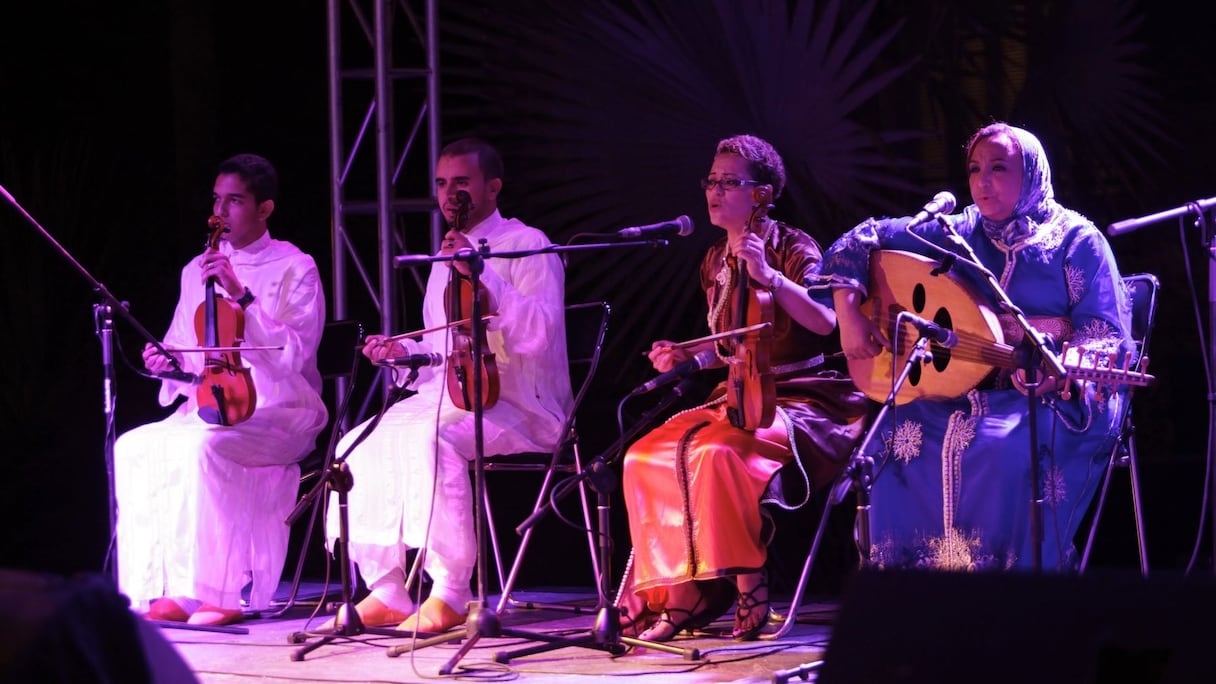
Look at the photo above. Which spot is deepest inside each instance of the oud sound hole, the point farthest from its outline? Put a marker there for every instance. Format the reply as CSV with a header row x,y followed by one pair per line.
x,y
941,355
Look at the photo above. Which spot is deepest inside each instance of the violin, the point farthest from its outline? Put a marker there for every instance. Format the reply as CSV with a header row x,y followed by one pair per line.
x,y
225,394
751,388
462,363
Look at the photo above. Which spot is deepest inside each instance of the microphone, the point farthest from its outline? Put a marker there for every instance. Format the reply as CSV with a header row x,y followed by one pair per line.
x,y
942,203
680,225
701,361
177,375
464,200
412,360
936,333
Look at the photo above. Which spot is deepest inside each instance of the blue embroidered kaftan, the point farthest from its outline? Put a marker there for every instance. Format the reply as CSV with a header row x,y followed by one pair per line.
x,y
952,487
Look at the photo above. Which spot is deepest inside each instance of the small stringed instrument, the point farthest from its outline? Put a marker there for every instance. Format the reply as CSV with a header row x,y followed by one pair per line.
x,y
225,394
903,281
751,387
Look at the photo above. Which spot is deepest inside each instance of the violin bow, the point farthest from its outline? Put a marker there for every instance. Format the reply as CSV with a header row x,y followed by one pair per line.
x,y
718,336
445,326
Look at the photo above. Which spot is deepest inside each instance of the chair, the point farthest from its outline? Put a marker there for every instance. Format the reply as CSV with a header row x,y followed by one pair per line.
x,y
1142,289
586,326
338,362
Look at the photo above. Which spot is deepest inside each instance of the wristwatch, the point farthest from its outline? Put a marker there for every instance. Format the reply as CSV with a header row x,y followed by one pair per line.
x,y
776,283
246,299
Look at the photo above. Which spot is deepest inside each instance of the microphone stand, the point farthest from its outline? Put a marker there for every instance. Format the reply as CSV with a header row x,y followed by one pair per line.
x,y
337,477
1199,209
483,620
1035,350
857,475
605,633
103,320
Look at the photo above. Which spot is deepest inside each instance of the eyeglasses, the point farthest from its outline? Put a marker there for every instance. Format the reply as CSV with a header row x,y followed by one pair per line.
x,y
726,183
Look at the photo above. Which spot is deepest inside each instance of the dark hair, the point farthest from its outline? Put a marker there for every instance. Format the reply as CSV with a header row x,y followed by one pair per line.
x,y
488,159
765,162
259,175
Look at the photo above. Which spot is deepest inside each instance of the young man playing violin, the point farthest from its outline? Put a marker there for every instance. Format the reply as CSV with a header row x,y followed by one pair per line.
x,y
202,499
694,485
412,488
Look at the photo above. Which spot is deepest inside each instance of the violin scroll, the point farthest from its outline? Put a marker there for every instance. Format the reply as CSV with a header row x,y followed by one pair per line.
x,y
216,225
762,196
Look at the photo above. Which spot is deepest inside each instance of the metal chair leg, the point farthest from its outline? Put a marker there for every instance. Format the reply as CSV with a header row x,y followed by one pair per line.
x,y
1099,506
1123,455
1137,509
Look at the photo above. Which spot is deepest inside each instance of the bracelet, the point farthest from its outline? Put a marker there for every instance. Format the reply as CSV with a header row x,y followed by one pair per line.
x,y
776,283
246,299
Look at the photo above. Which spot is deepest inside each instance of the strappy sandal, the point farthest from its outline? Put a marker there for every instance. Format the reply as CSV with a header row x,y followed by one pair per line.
x,y
707,609
751,608
633,625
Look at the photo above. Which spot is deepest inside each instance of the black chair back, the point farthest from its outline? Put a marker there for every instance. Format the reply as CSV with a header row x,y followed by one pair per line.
x,y
1142,292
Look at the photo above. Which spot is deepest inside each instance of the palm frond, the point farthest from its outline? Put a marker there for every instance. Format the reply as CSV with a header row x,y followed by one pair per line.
x,y
608,113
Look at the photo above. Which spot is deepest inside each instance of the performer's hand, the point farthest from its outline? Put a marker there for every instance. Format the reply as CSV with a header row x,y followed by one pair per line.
x,y
157,362
1048,383
379,347
749,247
452,243
216,265
860,338
664,357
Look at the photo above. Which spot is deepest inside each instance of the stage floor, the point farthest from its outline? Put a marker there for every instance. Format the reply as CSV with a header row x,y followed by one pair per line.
x,y
270,650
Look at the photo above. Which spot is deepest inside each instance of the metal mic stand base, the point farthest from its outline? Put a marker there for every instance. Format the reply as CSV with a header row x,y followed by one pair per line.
x,y
482,620
338,478
858,476
605,633
225,629
801,672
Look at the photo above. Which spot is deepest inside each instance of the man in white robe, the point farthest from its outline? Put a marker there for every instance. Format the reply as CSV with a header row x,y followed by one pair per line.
x,y
201,506
412,487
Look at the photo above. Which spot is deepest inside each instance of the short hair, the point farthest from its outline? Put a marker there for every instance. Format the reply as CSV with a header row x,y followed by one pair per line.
x,y
257,172
766,164
488,159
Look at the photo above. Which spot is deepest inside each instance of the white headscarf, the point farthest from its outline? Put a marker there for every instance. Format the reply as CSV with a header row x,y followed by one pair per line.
x,y
1036,204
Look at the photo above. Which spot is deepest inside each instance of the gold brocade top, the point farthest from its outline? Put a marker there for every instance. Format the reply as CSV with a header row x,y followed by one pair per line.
x,y
796,255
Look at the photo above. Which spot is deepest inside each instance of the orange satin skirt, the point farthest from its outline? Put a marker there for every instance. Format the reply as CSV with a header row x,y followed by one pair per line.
x,y
692,488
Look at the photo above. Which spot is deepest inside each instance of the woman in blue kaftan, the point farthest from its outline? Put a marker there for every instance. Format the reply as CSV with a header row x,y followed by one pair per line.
x,y
952,477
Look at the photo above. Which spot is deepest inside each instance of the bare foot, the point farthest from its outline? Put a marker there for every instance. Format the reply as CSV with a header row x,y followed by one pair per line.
x,y
433,616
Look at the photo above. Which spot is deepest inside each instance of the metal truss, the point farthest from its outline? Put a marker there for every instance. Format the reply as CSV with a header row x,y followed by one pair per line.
x,y
384,140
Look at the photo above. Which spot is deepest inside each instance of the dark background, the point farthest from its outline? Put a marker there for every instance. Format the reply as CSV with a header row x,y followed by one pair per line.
x,y
113,118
